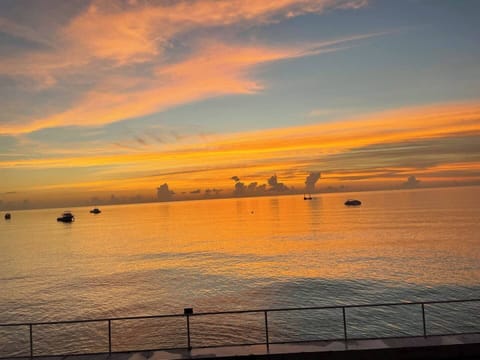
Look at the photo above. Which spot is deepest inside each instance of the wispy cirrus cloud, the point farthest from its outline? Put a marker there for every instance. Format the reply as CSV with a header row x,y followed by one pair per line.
x,y
126,32
109,43
213,69
136,31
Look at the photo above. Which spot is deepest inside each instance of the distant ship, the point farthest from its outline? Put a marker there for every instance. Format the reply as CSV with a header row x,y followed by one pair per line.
x,y
353,202
307,197
67,216
95,211
8,216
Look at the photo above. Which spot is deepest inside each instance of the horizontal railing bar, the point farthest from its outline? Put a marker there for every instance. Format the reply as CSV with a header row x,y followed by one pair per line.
x,y
330,307
338,339
446,301
371,338
94,320
328,340
456,333
145,317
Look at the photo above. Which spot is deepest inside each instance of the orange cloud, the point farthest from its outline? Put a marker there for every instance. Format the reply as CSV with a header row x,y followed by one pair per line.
x,y
401,125
139,32
135,33
288,151
109,36
215,69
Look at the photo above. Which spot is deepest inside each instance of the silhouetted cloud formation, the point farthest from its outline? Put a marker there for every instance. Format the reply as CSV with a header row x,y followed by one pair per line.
x,y
240,188
210,192
254,189
411,182
251,189
198,191
275,185
164,193
310,181
252,186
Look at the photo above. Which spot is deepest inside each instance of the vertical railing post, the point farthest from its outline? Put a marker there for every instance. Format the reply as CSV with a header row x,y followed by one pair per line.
x,y
424,323
31,340
109,336
267,341
188,333
344,325
187,312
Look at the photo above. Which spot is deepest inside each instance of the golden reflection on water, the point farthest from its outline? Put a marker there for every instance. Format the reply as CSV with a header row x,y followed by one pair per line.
x,y
414,236
424,237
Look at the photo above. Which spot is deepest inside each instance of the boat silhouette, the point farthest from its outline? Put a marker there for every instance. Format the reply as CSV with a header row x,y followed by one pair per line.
x,y
353,202
67,217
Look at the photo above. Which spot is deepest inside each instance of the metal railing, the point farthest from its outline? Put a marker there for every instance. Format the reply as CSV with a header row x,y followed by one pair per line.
x,y
188,313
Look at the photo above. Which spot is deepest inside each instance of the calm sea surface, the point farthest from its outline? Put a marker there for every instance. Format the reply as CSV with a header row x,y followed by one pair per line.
x,y
247,253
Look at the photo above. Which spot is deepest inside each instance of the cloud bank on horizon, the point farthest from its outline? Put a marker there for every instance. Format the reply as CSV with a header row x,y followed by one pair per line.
x,y
102,96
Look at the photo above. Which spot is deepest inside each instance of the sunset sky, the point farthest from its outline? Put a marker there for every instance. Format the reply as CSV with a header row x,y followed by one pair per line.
x,y
110,99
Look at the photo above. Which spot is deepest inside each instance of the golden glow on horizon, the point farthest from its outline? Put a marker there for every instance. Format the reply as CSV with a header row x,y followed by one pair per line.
x,y
289,152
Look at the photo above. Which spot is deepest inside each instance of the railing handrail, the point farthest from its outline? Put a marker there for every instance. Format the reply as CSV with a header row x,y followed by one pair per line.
x,y
188,312
230,312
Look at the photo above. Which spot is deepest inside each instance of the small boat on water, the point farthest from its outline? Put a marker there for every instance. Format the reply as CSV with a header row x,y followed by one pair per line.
x,y
353,202
307,197
8,216
95,211
67,216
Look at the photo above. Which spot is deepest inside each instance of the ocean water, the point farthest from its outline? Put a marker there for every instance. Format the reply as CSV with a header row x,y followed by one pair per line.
x,y
236,254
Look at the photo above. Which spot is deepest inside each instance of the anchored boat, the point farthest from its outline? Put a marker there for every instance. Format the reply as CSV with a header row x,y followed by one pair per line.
x,y
67,217
353,202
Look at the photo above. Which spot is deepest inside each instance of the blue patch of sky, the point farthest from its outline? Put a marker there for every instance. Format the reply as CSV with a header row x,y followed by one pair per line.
x,y
85,140
10,101
317,28
133,134
26,102
42,15
7,146
11,45
227,114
